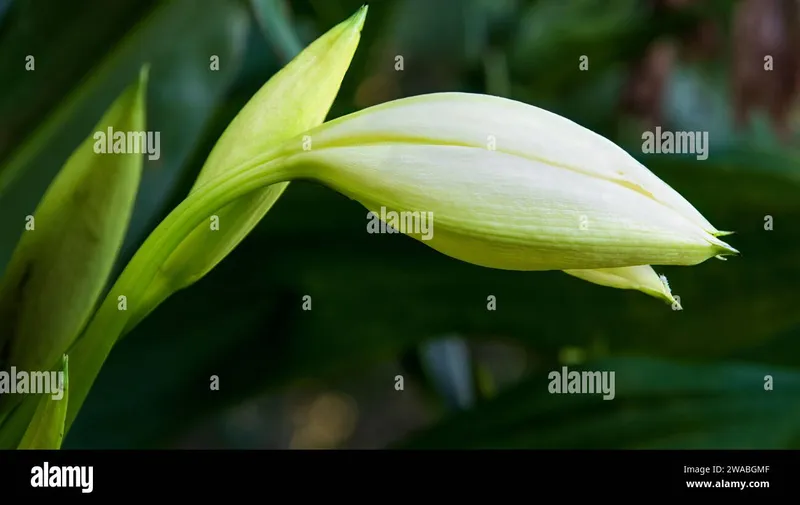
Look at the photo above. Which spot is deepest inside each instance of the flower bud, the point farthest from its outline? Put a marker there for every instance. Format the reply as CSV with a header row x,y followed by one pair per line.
x,y
509,185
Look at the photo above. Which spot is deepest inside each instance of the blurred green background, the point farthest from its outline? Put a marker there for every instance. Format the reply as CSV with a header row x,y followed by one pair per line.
x,y
386,305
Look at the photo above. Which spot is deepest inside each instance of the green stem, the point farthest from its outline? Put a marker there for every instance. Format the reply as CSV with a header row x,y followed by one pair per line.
x,y
90,352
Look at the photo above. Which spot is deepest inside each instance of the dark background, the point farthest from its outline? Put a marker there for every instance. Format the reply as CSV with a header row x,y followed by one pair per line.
x,y
384,305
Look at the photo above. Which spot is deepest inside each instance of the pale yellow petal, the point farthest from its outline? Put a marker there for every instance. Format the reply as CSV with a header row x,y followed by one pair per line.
x,y
508,126
640,278
503,211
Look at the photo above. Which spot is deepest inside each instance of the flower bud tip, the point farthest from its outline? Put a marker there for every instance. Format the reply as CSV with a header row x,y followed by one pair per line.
x,y
357,19
724,249
666,293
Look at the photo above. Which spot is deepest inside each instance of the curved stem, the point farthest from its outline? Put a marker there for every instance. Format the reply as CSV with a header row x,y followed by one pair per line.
x,y
88,354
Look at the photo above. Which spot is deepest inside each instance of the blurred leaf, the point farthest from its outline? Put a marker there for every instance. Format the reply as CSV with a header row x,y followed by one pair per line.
x,y
4,5
84,27
781,350
552,36
497,78
46,431
427,38
448,364
274,21
63,261
699,100
183,91
426,26
658,404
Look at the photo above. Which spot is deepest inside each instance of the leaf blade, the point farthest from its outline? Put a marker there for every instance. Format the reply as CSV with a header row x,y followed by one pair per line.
x,y
294,100
62,264
658,404
47,429
142,280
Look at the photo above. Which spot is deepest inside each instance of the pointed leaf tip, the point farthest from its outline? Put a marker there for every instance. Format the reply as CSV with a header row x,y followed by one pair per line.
x,y
144,74
357,20
63,262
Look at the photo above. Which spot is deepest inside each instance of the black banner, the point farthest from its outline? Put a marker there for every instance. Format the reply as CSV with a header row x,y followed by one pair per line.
x,y
754,474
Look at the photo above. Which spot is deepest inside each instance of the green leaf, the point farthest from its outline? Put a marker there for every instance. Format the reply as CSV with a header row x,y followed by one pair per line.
x,y
62,264
294,100
275,23
42,81
47,429
63,109
147,279
447,364
657,404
